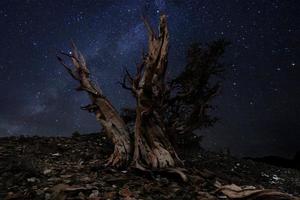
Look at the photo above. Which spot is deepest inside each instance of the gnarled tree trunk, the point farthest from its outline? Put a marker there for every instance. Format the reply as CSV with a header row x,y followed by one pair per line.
x,y
152,146
106,114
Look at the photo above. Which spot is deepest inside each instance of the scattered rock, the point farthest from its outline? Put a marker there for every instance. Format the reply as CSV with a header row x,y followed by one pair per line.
x,y
47,171
32,179
60,168
55,154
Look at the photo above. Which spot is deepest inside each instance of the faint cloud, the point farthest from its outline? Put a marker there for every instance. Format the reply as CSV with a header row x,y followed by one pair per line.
x,y
132,40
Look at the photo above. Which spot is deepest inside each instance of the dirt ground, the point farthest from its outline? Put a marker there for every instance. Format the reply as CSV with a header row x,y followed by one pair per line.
x,y
72,168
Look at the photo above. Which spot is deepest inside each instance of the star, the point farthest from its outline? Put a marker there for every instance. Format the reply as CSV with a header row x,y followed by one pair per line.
x,y
293,64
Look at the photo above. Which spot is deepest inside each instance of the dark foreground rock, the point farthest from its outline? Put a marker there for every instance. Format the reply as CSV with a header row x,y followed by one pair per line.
x,y
72,168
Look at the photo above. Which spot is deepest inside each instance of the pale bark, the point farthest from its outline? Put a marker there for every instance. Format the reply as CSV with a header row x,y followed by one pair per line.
x,y
152,147
105,113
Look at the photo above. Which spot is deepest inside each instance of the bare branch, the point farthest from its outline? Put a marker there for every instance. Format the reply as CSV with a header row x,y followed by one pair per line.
x,y
90,107
128,76
69,70
149,28
105,113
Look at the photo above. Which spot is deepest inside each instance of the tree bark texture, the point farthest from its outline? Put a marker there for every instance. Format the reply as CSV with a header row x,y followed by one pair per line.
x,y
152,146
104,111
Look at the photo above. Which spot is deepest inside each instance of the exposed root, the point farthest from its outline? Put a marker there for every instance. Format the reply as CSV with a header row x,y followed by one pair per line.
x,y
178,171
236,192
138,166
155,158
162,158
119,157
115,160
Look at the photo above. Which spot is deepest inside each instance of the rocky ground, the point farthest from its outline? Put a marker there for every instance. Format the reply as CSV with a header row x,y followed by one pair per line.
x,y
72,168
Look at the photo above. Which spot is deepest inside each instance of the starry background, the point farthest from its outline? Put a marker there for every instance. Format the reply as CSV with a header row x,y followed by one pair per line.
x,y
259,104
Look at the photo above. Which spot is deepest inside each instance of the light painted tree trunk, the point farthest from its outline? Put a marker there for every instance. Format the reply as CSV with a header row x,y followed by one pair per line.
x,y
106,114
152,146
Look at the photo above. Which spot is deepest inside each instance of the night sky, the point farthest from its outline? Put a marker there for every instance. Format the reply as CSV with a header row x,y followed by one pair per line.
x,y
259,104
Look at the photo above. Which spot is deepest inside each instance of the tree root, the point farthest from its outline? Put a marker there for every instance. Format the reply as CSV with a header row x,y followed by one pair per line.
x,y
118,158
114,160
236,192
180,173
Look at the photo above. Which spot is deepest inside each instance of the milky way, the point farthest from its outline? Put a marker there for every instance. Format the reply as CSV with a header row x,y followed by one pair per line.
x,y
259,105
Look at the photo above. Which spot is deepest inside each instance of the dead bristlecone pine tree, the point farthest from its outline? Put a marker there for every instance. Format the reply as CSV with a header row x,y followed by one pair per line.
x,y
165,109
